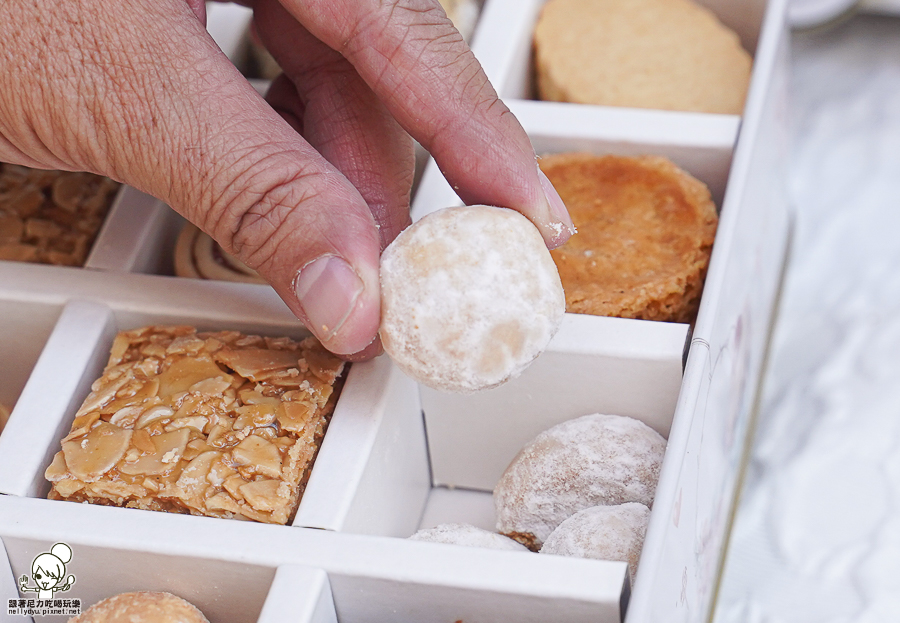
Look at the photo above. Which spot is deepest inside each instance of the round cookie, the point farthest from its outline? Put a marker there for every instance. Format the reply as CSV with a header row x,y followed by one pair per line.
x,y
664,54
602,533
198,256
469,536
645,234
470,296
590,461
141,607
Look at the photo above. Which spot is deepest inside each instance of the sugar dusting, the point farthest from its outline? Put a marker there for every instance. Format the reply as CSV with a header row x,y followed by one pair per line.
x,y
467,535
602,533
590,461
470,296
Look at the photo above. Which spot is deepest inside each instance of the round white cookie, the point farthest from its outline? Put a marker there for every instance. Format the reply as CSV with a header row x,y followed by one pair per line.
x,y
603,533
470,296
467,535
593,460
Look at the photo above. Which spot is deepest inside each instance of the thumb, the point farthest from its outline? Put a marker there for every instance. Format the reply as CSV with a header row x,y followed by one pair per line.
x,y
161,108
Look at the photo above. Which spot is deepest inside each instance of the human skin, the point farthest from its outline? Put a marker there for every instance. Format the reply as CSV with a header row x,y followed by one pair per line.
x,y
308,185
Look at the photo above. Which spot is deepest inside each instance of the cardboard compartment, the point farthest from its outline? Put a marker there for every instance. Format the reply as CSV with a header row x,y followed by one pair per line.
x,y
139,236
503,42
76,353
399,457
224,590
599,364
681,557
605,365
369,580
26,327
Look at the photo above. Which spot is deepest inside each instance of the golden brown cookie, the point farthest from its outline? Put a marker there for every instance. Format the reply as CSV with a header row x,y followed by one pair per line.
x,y
665,54
51,217
645,233
142,608
216,424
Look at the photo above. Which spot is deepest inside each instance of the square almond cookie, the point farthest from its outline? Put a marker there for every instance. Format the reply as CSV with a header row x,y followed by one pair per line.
x,y
216,424
51,217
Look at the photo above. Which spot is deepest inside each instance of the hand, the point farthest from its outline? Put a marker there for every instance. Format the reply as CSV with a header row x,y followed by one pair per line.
x,y
307,188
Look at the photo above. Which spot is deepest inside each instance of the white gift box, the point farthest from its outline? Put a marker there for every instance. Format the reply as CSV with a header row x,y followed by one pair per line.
x,y
398,457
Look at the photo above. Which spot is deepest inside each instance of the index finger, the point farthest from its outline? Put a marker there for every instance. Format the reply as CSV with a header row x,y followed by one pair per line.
x,y
417,63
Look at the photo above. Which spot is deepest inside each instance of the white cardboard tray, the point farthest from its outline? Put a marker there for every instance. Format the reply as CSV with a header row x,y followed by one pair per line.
x,y
385,470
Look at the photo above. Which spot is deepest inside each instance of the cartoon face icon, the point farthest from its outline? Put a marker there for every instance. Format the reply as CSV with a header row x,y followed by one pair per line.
x,y
48,571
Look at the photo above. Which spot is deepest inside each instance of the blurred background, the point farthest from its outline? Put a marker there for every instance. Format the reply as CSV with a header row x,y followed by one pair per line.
x,y
817,534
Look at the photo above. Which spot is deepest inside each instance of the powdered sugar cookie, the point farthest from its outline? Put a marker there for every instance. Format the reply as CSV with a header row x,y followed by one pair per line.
x,y
470,296
593,460
603,533
467,535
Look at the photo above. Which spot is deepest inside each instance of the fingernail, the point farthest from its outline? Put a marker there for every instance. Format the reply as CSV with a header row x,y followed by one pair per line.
x,y
561,223
327,289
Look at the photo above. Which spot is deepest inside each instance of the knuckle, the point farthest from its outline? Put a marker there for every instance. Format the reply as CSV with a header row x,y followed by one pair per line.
x,y
272,211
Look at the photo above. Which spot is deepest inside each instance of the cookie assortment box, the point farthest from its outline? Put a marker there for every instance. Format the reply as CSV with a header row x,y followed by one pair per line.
x,y
398,457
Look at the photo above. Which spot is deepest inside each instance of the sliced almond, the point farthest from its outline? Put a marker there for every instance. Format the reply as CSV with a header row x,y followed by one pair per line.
x,y
142,440
222,502
153,350
295,416
262,494
57,469
82,424
219,472
325,366
253,362
102,395
185,372
258,454
96,453
185,345
197,422
193,480
233,485
117,490
67,487
196,447
126,416
213,387
133,393
255,415
154,414
253,397
167,451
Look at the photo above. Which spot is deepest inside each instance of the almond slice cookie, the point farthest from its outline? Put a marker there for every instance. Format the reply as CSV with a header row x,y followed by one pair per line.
x,y
216,424
51,217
